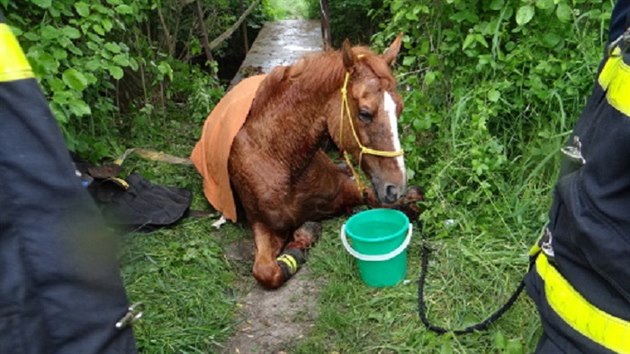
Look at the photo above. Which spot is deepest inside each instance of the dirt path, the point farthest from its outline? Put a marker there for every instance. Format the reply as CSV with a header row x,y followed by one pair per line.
x,y
270,321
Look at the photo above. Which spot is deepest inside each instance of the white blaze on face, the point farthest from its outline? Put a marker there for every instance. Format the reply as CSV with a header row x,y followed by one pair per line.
x,y
390,107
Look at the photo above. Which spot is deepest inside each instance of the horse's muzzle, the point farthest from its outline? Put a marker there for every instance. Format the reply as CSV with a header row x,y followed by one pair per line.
x,y
391,193
388,193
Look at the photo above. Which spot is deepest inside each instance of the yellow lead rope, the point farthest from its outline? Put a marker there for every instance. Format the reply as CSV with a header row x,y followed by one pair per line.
x,y
345,105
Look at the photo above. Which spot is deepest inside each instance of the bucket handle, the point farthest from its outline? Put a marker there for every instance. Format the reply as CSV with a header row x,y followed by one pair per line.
x,y
375,257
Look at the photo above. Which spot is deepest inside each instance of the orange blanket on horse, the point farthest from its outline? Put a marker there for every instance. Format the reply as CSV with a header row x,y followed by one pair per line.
x,y
210,155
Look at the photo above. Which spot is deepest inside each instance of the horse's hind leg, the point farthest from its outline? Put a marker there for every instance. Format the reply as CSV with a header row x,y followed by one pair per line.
x,y
294,254
305,236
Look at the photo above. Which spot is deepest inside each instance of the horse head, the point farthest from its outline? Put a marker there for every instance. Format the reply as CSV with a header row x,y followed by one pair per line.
x,y
367,127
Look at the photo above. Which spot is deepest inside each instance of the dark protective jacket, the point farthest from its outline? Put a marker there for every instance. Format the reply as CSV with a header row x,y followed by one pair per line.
x,y
581,280
60,288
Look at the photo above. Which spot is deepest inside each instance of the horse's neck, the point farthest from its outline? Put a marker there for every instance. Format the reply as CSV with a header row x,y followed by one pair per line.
x,y
299,124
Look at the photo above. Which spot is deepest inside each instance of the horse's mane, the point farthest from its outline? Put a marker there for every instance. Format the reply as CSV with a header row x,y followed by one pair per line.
x,y
323,72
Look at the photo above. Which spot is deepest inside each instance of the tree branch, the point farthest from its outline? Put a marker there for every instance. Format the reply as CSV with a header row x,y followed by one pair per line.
x,y
225,35
204,33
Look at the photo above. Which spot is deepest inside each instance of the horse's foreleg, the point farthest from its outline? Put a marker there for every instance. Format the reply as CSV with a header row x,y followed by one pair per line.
x,y
266,269
294,254
271,269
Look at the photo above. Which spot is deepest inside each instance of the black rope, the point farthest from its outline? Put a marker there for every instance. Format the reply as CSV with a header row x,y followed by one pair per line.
x,y
422,311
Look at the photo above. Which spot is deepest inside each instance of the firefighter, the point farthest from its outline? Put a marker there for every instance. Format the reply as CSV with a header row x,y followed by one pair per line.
x,y
580,280
60,287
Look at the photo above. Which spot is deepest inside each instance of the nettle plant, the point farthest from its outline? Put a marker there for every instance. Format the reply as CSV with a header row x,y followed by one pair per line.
x,y
492,88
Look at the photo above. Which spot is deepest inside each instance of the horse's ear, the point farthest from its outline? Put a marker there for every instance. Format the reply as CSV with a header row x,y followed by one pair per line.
x,y
390,54
346,54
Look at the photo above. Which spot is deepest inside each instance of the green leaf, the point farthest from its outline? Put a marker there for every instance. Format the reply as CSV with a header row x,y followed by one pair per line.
x,y
429,77
4,3
58,112
59,54
564,12
31,36
551,40
74,79
16,30
409,60
497,4
121,59
112,47
470,38
133,64
525,14
544,4
71,32
107,24
494,95
82,8
93,65
65,42
98,29
42,3
56,84
116,72
124,9
54,12
49,32
79,107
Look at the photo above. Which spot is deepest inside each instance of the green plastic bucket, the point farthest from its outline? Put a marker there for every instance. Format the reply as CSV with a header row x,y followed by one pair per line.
x,y
379,240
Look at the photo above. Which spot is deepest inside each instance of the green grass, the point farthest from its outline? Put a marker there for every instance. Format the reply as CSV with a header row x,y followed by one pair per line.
x,y
472,272
180,272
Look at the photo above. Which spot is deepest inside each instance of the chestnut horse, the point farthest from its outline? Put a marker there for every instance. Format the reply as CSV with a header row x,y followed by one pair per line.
x,y
278,169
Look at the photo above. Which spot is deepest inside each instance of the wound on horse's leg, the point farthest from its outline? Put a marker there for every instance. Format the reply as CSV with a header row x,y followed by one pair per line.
x,y
294,254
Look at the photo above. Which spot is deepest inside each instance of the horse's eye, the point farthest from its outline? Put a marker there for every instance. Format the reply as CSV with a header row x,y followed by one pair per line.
x,y
365,116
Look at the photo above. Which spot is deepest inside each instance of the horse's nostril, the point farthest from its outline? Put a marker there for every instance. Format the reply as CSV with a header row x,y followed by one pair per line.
x,y
391,193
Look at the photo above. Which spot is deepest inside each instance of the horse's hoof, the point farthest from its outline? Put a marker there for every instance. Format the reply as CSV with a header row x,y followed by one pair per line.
x,y
269,276
408,203
306,235
414,194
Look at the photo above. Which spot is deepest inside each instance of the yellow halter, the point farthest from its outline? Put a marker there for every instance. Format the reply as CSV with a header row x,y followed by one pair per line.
x,y
345,106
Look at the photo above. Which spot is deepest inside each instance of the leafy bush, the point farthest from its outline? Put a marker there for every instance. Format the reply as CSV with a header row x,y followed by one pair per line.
x,y
492,89
97,61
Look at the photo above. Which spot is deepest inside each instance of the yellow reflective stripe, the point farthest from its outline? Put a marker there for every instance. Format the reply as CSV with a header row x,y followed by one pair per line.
x,y
615,79
290,261
600,327
13,63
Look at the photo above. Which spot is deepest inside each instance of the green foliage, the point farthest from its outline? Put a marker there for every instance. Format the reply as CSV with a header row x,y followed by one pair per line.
x,y
492,89
283,9
356,20
97,60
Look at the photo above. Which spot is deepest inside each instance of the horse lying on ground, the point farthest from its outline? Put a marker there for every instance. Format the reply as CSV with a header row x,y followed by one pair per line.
x,y
278,170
